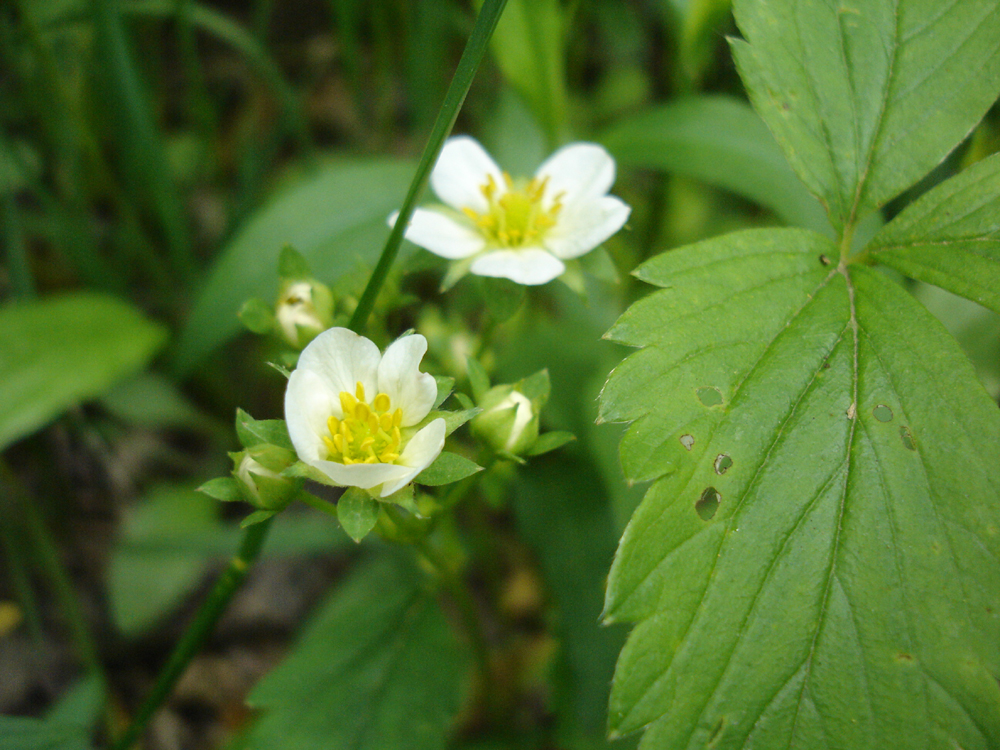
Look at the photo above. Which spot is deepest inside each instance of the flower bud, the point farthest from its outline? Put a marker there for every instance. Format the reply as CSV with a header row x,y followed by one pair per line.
x,y
304,310
508,422
261,486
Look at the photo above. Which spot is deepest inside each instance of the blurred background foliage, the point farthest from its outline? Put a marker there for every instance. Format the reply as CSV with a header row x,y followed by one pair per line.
x,y
155,155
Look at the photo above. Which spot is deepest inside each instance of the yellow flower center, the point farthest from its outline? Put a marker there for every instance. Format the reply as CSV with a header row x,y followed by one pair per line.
x,y
516,218
367,434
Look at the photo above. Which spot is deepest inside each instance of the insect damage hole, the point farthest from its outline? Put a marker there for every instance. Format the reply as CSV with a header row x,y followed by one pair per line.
x,y
722,463
907,438
709,396
882,413
708,503
687,441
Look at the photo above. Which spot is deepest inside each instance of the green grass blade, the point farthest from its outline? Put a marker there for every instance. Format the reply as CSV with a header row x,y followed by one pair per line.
x,y
471,57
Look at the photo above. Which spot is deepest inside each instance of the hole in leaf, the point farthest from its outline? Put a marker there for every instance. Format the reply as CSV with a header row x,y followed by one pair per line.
x,y
904,657
709,396
824,260
882,413
722,463
687,441
708,503
904,433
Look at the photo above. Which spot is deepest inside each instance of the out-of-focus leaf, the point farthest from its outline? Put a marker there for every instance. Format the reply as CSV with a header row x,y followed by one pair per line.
x,y
59,351
34,734
528,45
951,236
866,98
151,400
564,515
335,216
80,706
170,538
975,328
816,561
723,142
378,668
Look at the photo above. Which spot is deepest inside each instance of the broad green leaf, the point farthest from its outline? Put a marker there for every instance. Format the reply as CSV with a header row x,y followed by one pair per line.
x,y
335,216
723,142
951,236
172,535
377,667
34,734
865,97
151,400
81,705
816,562
57,352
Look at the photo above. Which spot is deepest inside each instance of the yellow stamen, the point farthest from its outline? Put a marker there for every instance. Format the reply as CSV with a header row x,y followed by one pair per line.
x,y
516,218
367,433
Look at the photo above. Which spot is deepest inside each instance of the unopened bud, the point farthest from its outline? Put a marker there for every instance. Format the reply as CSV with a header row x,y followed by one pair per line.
x,y
508,422
304,310
262,487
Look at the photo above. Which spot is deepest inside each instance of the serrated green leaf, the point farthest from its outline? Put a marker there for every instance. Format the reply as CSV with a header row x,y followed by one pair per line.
x,y
817,562
865,98
59,351
447,468
335,216
378,667
721,141
357,512
951,236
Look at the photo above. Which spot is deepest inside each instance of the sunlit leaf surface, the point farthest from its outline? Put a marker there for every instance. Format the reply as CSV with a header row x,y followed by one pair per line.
x,y
816,562
866,97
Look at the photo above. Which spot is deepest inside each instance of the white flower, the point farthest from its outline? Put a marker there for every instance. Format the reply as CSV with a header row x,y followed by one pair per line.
x,y
351,411
520,230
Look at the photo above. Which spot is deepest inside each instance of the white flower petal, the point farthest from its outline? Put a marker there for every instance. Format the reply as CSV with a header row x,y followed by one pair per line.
x,y
579,171
364,476
342,359
308,404
419,453
442,234
461,171
583,227
400,379
528,266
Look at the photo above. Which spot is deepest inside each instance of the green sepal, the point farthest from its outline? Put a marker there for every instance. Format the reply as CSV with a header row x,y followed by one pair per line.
x,y
508,456
257,316
455,272
549,442
291,264
256,517
253,432
281,368
225,489
478,378
503,297
404,498
453,419
464,400
305,471
598,263
445,386
275,492
272,457
536,388
447,468
358,513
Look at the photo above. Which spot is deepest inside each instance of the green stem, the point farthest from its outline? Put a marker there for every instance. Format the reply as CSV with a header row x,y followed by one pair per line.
x,y
475,48
314,502
199,630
